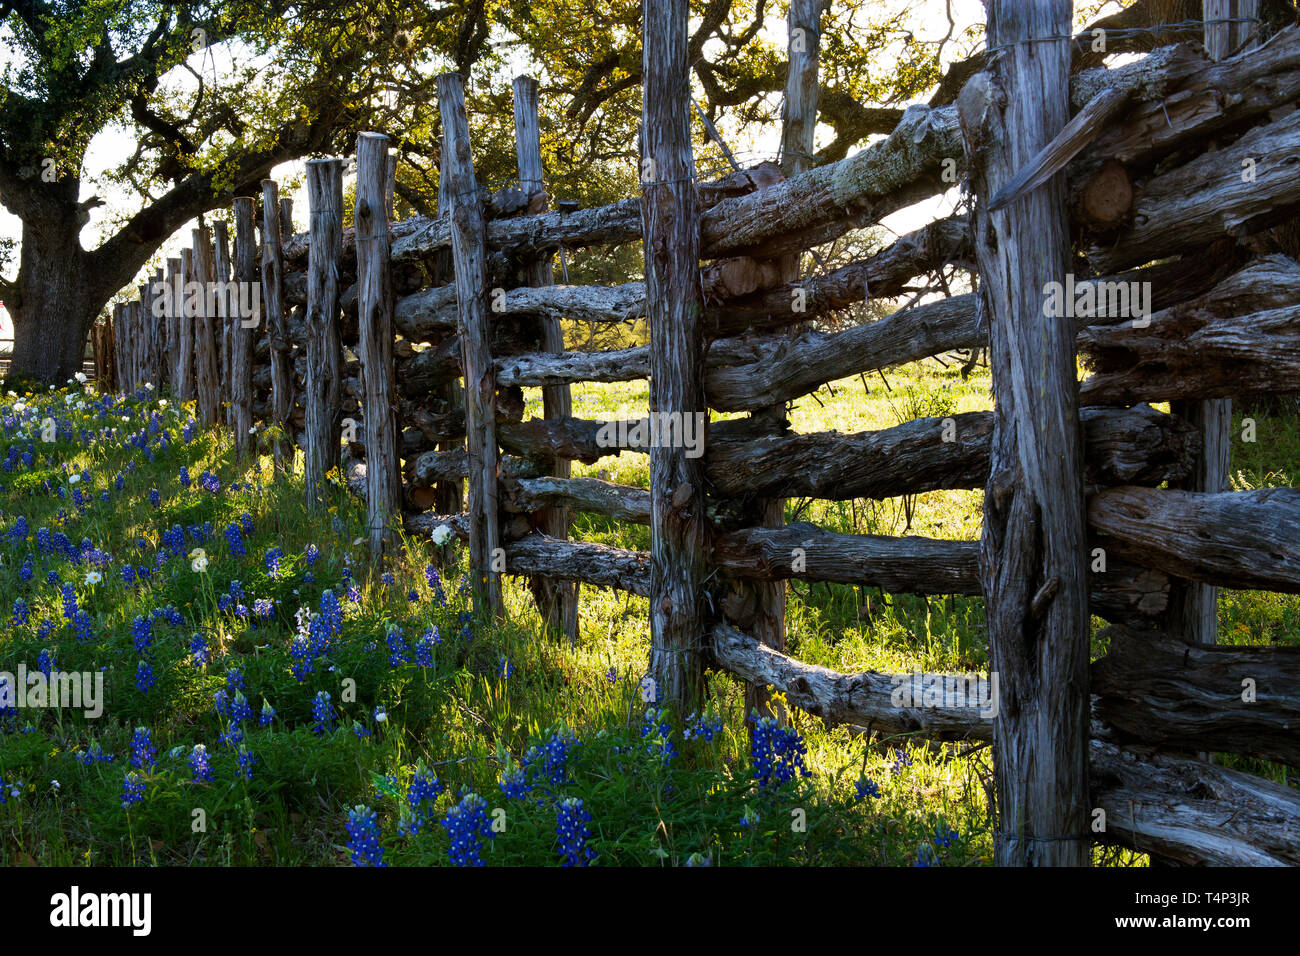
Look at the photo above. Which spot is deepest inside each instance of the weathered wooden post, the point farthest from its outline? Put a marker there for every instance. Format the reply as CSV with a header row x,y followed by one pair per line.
x,y
141,323
205,333
674,304
276,324
244,333
119,348
468,246
375,332
449,496
286,217
324,347
557,599
157,330
185,324
1033,550
390,187
223,318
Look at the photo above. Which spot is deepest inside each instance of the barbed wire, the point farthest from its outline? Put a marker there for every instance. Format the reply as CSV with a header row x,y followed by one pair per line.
x,y
1123,32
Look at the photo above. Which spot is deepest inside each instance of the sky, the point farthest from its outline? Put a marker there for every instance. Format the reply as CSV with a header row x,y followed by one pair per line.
x,y
108,149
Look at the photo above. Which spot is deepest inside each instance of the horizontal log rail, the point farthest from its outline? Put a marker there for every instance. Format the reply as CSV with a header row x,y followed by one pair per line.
x,y
1235,539
1155,689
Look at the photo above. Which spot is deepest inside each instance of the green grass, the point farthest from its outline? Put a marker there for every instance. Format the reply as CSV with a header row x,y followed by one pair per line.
x,y
460,717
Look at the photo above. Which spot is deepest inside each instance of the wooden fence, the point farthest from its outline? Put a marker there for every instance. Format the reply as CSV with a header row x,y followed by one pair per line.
x,y
1122,215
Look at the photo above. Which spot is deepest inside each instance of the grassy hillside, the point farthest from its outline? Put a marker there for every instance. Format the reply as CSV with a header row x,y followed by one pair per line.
x,y
350,713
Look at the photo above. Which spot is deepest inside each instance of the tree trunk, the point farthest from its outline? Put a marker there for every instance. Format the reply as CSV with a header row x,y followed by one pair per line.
x,y
53,309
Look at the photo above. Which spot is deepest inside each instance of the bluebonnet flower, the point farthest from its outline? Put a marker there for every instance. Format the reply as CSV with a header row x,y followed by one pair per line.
x,y
434,581
571,828
184,473
424,647
467,825
240,710
235,540
925,855
46,662
263,608
421,793
21,613
399,652
549,762
777,753
246,522
945,836
26,571
144,677
507,670
322,713
901,759
132,789
656,729
142,634
201,764
514,784
69,602
93,755
386,579
413,596
154,498
866,787
360,729
273,556
363,837
199,650
702,727
311,555
611,675
142,749
245,761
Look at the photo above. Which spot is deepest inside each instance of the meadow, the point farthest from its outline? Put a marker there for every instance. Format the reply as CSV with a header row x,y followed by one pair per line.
x,y
275,698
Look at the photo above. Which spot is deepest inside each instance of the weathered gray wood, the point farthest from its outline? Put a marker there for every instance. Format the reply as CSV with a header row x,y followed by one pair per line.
x,y
1086,125
1241,337
322,390
1210,198
620,502
1192,812
206,383
1237,539
375,331
276,323
468,248
867,699
915,457
1034,570
557,601
1177,694
673,306
173,317
243,332
185,339
222,318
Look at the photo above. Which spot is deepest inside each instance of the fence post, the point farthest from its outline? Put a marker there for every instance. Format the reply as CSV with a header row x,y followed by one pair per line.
x,y
449,496
390,187
205,339
141,323
185,338
1033,550
557,599
243,337
468,246
221,269
119,347
276,325
674,305
324,347
170,320
375,333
